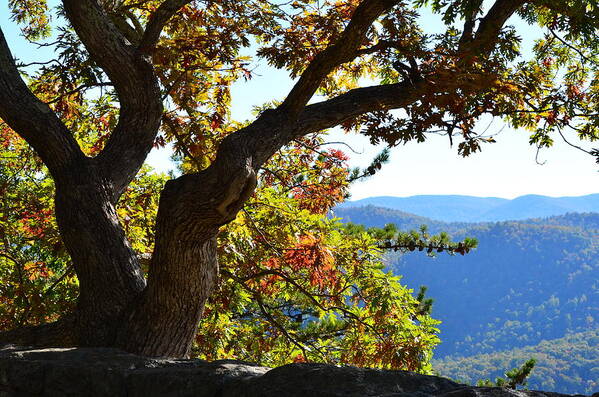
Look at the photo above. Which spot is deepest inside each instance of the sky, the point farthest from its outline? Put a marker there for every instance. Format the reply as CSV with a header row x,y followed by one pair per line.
x,y
507,169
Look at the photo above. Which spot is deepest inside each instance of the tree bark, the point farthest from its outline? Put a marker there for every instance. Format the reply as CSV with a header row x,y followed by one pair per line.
x,y
109,274
110,278
184,266
165,319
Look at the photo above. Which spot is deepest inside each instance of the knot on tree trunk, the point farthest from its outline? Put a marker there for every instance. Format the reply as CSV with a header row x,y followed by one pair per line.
x,y
239,190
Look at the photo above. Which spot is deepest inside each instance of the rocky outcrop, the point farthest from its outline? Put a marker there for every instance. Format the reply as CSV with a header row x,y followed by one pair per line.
x,y
111,372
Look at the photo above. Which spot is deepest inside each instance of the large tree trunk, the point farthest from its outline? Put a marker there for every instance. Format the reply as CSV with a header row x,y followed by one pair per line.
x,y
115,307
184,266
165,320
109,274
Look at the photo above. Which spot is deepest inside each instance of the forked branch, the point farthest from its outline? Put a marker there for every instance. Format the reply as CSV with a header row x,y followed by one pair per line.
x,y
136,85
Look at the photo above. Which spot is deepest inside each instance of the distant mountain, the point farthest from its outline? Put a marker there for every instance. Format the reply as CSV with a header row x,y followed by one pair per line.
x,y
371,215
456,208
534,206
442,208
566,365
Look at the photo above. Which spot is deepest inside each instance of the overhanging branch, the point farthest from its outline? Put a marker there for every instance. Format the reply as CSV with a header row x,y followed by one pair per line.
x,y
492,23
332,112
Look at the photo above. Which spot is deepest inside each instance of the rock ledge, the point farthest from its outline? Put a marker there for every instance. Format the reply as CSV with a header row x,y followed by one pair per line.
x,y
111,372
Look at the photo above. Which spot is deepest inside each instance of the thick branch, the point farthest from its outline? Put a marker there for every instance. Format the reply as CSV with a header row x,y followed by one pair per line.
x,y
358,101
470,21
136,85
34,120
332,112
492,23
213,196
159,18
342,51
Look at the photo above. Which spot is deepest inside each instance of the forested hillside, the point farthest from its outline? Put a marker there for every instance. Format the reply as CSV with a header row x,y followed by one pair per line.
x,y
523,284
371,215
527,281
567,365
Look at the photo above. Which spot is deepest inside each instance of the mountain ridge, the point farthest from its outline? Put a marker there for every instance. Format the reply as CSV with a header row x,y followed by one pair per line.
x,y
462,208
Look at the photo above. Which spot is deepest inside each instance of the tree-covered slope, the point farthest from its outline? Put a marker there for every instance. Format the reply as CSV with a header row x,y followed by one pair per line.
x,y
523,284
372,215
526,282
566,365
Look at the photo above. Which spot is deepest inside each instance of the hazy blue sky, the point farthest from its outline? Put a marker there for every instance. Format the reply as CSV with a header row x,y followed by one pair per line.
x,y
504,169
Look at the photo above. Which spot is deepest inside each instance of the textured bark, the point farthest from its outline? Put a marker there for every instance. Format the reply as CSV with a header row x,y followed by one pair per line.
x,y
108,270
165,321
33,119
491,24
136,84
184,266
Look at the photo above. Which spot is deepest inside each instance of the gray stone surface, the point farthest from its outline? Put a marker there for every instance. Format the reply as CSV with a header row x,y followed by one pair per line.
x,y
111,372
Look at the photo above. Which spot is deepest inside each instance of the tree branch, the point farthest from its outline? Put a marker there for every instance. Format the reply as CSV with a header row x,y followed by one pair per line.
x,y
34,120
381,46
332,112
491,24
136,85
359,101
159,18
342,51
470,21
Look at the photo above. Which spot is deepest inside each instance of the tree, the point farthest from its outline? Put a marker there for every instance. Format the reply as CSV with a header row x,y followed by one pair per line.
x,y
515,377
139,54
